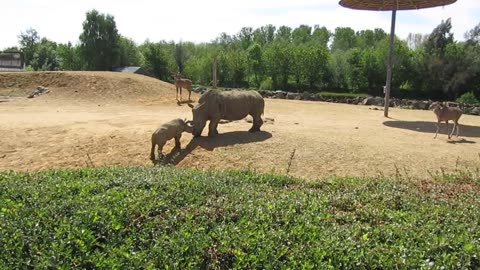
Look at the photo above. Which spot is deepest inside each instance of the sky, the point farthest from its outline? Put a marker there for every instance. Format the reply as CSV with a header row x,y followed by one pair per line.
x,y
203,21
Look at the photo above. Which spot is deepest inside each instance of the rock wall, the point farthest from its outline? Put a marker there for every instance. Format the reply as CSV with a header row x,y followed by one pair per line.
x,y
371,101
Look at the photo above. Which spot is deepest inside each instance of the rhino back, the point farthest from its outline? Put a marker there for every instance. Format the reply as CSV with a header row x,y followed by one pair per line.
x,y
238,104
170,129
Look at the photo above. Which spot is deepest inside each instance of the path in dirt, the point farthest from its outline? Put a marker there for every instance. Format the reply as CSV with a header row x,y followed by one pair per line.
x,y
328,139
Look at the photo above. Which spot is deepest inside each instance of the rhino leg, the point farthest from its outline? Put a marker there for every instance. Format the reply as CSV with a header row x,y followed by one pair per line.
x,y
159,150
177,142
257,123
212,127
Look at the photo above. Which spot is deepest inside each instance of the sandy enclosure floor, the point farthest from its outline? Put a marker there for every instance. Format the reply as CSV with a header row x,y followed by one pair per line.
x,y
317,139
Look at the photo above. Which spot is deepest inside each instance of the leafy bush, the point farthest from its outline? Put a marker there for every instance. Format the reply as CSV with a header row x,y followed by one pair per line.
x,y
468,98
162,217
266,84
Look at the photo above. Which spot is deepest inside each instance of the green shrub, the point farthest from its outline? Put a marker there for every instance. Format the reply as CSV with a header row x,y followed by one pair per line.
x,y
164,217
468,98
266,84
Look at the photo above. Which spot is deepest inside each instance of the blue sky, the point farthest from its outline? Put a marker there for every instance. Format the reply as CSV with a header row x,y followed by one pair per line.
x,y
202,21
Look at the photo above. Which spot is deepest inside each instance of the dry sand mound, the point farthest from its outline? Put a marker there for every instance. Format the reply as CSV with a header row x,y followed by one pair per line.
x,y
85,86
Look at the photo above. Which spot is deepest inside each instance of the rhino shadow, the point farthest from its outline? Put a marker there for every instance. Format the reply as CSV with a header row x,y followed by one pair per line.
x,y
210,143
431,127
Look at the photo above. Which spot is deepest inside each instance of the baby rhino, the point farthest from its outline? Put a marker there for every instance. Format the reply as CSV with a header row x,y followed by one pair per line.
x,y
168,131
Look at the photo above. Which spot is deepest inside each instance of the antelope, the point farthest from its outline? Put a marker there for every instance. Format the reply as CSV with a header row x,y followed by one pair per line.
x,y
182,83
445,113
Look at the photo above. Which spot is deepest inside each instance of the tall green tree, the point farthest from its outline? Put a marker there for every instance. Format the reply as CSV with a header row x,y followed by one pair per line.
x,y
180,56
264,34
278,58
284,34
344,39
199,63
440,37
99,41
46,57
302,34
315,63
28,41
436,61
70,57
321,35
255,60
157,59
245,37
129,54
356,78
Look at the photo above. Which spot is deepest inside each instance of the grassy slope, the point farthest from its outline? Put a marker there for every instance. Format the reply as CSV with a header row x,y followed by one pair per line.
x,y
159,217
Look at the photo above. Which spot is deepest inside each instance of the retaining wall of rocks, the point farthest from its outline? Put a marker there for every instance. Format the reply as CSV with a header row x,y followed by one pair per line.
x,y
375,101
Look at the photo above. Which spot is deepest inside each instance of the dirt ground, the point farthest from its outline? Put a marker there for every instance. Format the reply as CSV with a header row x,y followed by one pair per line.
x,y
307,139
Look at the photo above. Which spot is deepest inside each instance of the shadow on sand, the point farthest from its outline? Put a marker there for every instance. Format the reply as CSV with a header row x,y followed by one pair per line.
x,y
207,143
431,127
181,102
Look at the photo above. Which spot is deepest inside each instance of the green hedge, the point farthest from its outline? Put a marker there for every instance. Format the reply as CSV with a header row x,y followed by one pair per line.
x,y
163,217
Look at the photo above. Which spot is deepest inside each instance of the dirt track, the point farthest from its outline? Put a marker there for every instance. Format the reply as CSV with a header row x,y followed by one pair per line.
x,y
328,139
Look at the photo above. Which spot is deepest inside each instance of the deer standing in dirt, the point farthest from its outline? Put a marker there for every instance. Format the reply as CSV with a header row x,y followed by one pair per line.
x,y
445,113
182,83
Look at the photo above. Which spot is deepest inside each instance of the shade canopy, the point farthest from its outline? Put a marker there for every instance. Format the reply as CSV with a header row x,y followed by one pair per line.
x,y
382,5
393,5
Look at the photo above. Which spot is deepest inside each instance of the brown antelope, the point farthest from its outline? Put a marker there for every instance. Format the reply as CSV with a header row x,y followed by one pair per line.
x,y
182,83
445,113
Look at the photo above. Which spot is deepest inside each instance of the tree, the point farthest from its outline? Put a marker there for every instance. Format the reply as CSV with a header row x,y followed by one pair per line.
x,y
321,35
284,34
99,41
440,37
180,56
156,59
338,67
129,55
415,41
70,57
255,61
356,78
302,34
264,35
343,39
45,56
28,44
315,64
436,61
245,36
199,64
278,60
232,68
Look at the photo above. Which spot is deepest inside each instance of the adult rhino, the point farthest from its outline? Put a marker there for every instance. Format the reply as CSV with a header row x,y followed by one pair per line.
x,y
215,105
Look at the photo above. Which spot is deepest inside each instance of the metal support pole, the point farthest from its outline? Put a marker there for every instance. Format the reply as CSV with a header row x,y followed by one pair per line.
x,y
389,60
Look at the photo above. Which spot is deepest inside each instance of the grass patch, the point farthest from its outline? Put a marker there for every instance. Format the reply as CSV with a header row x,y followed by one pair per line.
x,y
163,217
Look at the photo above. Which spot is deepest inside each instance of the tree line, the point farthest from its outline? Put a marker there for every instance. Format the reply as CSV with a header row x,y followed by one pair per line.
x,y
305,58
